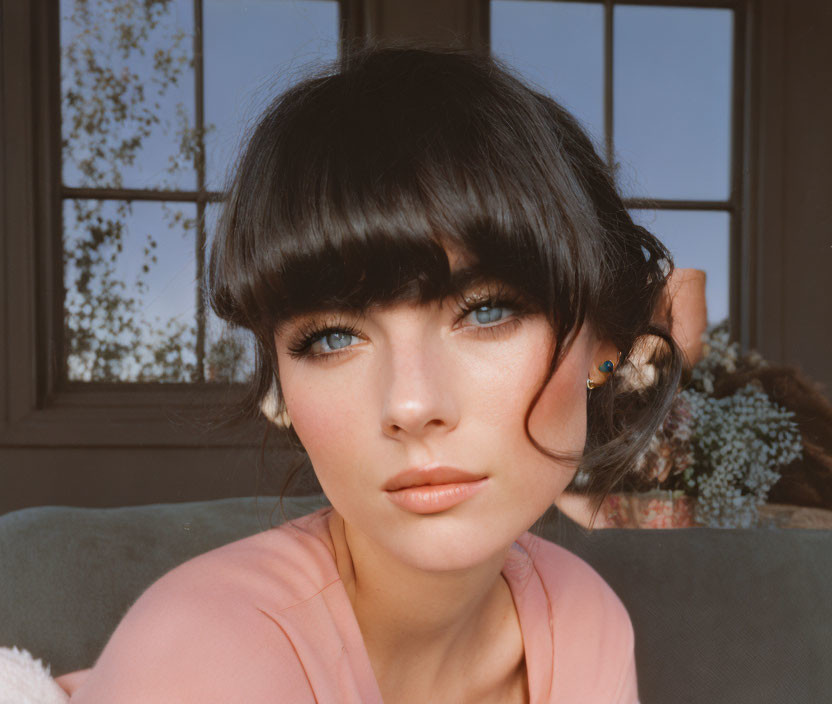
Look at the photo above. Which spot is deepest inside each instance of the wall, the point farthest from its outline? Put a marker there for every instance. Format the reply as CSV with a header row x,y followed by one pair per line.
x,y
795,287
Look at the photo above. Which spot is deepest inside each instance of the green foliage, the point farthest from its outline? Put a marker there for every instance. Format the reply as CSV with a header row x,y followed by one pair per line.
x,y
227,360
109,112
740,442
727,450
102,102
724,441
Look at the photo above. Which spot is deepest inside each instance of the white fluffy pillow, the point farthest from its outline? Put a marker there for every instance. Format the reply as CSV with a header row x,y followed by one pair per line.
x,y
25,680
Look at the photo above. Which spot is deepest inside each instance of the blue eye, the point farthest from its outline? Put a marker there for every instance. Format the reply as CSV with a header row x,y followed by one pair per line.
x,y
333,341
326,343
487,314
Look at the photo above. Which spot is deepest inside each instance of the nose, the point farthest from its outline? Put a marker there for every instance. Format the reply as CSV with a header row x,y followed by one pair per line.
x,y
418,391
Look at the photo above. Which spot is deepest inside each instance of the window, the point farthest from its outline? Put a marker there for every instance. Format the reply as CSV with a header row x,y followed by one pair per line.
x,y
147,421
658,88
148,156
155,100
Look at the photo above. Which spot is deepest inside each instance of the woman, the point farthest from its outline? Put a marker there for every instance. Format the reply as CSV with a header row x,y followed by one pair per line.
x,y
436,267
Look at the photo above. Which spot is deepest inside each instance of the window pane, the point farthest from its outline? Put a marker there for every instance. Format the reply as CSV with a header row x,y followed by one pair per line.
x,y
672,101
697,240
130,278
560,47
229,352
127,93
253,50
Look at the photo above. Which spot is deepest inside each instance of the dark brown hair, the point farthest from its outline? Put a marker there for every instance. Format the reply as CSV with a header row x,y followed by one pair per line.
x,y
395,151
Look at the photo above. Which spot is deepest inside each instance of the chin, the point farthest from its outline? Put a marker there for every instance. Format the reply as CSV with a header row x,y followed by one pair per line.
x,y
443,542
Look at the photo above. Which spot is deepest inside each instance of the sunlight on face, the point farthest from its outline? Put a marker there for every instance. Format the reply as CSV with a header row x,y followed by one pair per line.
x,y
407,385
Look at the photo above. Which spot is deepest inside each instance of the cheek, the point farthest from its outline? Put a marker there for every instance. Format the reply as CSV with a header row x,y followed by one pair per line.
x,y
557,421
559,418
558,424
322,417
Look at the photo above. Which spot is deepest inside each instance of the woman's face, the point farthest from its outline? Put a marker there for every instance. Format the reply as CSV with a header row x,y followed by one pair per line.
x,y
423,385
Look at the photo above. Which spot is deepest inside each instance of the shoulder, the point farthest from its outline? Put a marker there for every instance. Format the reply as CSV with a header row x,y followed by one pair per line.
x,y
590,618
571,581
209,630
271,571
277,568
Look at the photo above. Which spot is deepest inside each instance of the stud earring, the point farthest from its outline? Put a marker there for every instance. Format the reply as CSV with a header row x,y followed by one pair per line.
x,y
606,367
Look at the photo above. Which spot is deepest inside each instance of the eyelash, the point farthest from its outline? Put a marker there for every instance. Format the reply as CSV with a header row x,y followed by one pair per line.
x,y
310,333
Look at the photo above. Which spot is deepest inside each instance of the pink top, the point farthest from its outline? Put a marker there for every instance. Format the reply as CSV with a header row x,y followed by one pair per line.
x,y
266,619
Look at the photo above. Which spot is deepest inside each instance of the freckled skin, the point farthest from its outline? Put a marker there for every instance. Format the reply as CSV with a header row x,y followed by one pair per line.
x,y
420,385
418,388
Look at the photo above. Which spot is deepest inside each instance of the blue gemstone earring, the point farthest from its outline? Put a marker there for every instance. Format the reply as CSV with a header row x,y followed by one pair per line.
x,y
606,367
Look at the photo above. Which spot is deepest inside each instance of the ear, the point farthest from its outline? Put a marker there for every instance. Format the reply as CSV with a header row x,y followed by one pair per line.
x,y
605,351
272,408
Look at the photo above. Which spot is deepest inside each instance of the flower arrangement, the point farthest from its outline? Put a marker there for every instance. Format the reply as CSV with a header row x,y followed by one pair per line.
x,y
724,449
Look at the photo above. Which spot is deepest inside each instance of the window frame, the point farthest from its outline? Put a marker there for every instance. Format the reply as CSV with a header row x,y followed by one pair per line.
x,y
42,409
740,315
38,411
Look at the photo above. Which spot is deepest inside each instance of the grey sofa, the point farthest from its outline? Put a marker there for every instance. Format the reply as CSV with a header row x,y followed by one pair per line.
x,y
720,615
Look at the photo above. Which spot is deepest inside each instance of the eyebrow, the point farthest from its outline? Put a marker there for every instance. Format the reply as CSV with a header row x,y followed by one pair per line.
x,y
465,277
460,281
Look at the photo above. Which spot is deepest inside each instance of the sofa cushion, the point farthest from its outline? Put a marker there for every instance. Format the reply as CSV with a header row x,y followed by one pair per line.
x,y
68,575
739,616
719,615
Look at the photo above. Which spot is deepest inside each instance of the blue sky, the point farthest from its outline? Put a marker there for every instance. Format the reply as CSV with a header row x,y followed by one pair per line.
x,y
672,83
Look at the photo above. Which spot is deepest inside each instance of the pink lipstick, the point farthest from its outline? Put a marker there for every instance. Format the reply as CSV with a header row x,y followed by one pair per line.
x,y
431,490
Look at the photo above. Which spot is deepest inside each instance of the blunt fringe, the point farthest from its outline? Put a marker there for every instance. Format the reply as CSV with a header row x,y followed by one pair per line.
x,y
354,180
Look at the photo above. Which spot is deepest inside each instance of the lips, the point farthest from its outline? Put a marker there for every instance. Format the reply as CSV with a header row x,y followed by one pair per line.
x,y
421,476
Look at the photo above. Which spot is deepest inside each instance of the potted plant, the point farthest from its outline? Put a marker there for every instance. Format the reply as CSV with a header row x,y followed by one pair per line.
x,y
719,451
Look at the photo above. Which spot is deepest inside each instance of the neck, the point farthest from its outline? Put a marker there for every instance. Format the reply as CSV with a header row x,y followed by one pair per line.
x,y
412,621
